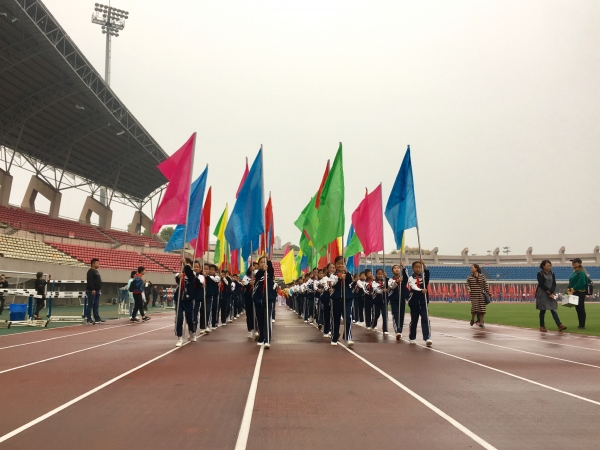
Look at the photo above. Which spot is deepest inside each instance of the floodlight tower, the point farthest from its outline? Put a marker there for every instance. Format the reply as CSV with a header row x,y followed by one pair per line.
x,y
112,21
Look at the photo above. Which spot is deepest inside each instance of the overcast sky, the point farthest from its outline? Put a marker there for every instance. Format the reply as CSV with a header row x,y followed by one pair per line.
x,y
500,102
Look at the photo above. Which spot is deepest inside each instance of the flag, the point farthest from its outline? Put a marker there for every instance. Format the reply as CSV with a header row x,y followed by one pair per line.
x,y
176,169
286,251
247,220
194,212
219,232
288,268
401,208
331,208
335,248
368,222
244,176
234,266
201,244
353,245
323,180
267,239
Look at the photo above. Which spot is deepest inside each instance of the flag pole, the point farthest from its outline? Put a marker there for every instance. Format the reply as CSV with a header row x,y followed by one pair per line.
x,y
385,277
420,259
187,211
267,315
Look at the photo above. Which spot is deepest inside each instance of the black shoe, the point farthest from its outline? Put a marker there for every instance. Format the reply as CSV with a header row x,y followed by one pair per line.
x,y
132,320
472,322
581,328
90,322
145,319
100,320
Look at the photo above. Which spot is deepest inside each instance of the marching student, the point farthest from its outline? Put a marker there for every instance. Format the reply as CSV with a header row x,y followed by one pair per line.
x,y
417,302
225,297
368,296
212,297
310,297
326,299
341,287
184,298
359,297
137,287
397,295
355,301
130,293
379,287
263,287
248,304
319,290
198,296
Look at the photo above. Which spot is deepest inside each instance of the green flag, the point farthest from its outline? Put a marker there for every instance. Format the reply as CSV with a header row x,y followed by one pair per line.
x,y
331,210
354,246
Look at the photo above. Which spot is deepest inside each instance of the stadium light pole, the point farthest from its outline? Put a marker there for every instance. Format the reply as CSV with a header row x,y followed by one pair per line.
x,y
112,21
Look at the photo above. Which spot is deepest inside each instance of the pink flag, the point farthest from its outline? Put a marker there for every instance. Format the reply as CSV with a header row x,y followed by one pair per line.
x,y
243,179
368,222
173,206
287,250
201,243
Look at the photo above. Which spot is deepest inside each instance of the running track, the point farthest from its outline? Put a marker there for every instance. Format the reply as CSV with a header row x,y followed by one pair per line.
x,y
126,386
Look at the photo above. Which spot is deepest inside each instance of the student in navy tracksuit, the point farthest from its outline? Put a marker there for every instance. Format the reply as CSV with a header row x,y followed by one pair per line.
x,y
198,296
248,303
368,291
184,298
326,299
137,287
379,287
263,287
212,297
342,285
417,302
225,298
397,295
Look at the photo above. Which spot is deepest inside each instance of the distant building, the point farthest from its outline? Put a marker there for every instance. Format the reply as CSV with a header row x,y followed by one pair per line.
x,y
277,242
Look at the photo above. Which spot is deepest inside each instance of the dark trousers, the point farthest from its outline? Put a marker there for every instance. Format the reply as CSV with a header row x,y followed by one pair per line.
x,y
326,315
379,309
203,315
198,309
215,311
543,315
580,308
185,307
368,311
249,304
154,297
138,305
224,308
93,305
264,321
359,309
398,307
310,305
2,300
39,305
418,308
338,314
301,306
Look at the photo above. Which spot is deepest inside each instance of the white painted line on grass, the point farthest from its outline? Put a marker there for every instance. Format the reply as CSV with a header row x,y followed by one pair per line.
x,y
81,397
82,350
242,440
518,350
429,405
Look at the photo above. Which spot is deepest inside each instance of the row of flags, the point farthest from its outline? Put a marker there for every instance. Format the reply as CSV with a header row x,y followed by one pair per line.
x,y
249,228
322,221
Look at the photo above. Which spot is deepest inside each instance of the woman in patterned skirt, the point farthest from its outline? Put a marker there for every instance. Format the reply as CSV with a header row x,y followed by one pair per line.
x,y
477,288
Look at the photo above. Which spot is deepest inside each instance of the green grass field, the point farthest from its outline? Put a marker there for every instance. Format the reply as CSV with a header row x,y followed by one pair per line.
x,y
522,315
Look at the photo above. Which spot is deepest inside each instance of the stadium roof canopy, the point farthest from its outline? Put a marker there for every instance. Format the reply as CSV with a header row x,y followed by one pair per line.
x,y
55,108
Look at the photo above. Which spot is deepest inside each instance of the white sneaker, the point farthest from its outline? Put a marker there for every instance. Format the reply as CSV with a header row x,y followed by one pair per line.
x,y
272,320
398,336
202,331
207,330
369,328
412,341
267,345
190,336
350,344
229,320
374,328
306,321
179,343
385,333
428,343
194,337
333,343
250,334
259,343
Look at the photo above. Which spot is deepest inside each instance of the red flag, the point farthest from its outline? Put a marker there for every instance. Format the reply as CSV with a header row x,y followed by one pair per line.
x,y
177,169
201,243
243,179
268,225
325,175
368,222
234,267
334,250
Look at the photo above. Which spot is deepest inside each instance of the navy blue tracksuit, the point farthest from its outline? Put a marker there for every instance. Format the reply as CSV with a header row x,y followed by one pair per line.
x,y
212,301
186,305
264,308
340,289
417,302
397,298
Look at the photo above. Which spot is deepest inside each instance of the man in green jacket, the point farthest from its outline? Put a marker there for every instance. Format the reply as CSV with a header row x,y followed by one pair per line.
x,y
578,285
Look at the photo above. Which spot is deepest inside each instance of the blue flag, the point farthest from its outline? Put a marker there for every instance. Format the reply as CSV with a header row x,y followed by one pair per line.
x,y
350,266
246,248
401,208
247,220
194,214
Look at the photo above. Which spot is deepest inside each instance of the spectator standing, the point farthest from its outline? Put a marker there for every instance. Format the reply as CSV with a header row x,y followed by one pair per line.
x,y
578,285
93,291
138,289
130,293
154,295
40,289
3,285
147,294
477,288
545,295
161,294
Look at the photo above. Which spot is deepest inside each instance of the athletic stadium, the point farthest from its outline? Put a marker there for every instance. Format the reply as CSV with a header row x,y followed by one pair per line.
x,y
123,385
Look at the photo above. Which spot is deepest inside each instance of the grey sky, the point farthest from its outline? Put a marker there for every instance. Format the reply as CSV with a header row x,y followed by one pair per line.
x,y
499,101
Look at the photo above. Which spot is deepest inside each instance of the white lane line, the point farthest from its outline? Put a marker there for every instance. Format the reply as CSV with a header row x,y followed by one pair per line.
x,y
517,350
242,440
429,405
81,397
570,394
82,350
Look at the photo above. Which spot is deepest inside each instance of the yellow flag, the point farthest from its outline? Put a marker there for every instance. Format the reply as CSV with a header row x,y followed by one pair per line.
x,y
288,267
